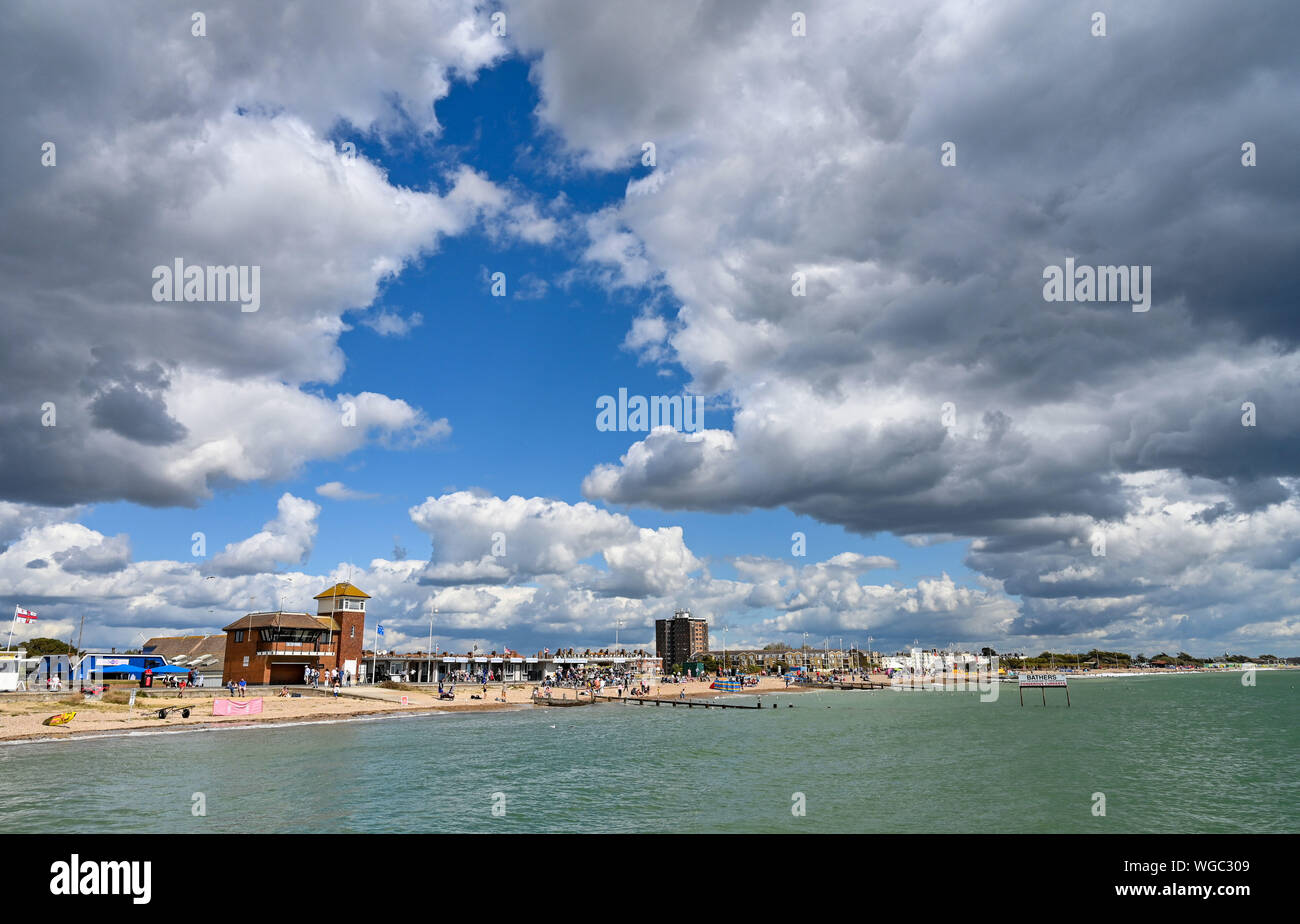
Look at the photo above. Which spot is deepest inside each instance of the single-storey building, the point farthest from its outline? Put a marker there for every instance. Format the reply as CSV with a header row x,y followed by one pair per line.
x,y
203,654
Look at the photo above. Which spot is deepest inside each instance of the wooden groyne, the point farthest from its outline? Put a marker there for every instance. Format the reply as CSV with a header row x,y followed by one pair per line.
x,y
688,703
842,685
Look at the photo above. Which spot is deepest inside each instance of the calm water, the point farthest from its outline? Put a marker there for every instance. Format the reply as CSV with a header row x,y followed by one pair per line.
x,y
1172,754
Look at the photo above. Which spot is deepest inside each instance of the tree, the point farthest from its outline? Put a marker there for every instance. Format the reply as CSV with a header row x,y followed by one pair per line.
x,y
36,647
987,652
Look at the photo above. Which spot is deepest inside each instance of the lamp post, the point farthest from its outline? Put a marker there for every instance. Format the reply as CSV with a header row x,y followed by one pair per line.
x,y
429,651
724,649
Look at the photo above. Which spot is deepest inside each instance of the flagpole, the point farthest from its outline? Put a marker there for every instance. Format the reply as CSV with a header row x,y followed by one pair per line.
x,y
373,652
13,622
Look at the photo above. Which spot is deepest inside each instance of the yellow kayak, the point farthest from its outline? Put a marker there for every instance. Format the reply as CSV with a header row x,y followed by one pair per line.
x,y
63,718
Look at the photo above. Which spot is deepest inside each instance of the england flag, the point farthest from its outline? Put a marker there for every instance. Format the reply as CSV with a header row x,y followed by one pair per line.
x,y
26,616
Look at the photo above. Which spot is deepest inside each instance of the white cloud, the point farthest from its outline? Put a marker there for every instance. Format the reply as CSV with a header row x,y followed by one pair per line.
x,y
287,539
337,490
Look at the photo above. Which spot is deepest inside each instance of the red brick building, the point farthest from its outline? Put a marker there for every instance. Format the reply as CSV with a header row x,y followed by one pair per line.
x,y
277,647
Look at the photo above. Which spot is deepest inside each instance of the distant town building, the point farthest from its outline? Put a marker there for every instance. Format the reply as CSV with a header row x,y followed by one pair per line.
x,y
813,659
681,639
278,647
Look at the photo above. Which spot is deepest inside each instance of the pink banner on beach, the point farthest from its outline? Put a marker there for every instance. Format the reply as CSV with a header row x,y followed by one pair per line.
x,y
237,706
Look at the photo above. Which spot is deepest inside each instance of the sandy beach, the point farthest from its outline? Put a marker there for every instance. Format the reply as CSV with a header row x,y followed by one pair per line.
x,y
20,719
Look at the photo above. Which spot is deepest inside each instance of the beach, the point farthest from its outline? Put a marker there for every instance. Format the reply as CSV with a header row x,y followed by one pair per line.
x,y
20,718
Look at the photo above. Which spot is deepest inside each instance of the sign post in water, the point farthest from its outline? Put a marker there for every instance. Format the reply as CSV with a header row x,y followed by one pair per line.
x,y
1043,680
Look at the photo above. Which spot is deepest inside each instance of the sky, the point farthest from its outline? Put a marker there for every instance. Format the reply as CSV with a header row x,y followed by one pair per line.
x,y
829,224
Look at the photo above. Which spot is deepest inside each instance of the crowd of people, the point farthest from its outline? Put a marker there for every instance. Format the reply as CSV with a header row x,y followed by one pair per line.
x,y
335,678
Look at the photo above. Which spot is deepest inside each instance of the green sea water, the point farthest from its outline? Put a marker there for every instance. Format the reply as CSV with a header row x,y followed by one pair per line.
x,y
1200,753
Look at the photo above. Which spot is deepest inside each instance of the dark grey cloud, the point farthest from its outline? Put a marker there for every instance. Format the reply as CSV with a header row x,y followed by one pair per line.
x,y
137,415
111,555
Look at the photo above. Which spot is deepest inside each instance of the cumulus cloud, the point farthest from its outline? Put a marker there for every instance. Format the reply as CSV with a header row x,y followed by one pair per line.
x,y
215,154
920,384
483,539
285,540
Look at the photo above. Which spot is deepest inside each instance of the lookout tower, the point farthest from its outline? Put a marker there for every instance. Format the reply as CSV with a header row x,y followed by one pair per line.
x,y
343,609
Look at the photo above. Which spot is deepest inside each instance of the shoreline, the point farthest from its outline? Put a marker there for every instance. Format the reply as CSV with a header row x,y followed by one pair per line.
x,y
20,721
107,721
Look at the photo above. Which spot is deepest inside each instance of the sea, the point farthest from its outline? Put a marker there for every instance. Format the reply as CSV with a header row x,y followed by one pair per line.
x,y
1160,754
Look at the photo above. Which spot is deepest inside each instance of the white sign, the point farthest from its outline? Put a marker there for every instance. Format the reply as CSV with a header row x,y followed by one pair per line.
x,y
1041,679
112,662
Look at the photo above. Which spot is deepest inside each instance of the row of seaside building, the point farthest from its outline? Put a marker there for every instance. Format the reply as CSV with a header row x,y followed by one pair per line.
x,y
279,648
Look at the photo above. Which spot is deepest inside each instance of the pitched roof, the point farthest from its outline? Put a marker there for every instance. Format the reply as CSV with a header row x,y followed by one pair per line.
x,y
329,623
189,650
342,589
276,620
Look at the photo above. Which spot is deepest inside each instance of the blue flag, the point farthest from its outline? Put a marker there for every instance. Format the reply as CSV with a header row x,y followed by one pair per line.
x,y
380,629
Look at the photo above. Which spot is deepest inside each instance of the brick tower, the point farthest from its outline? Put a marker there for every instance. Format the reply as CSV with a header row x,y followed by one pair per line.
x,y
345,605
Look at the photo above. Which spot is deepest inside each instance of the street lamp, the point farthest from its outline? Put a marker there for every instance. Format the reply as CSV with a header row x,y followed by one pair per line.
x,y
428,675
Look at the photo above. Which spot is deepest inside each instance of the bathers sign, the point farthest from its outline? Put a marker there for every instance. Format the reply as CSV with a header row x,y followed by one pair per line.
x,y
1042,679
